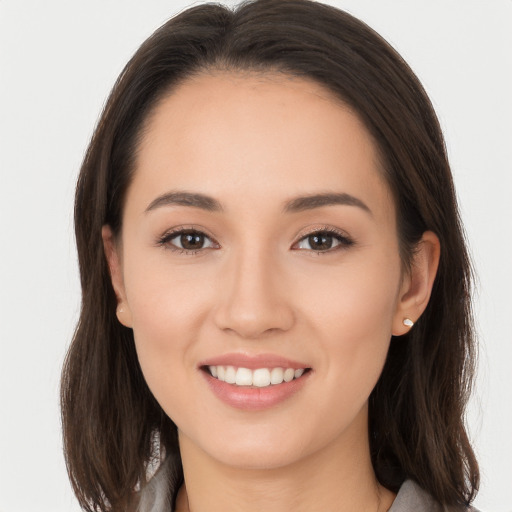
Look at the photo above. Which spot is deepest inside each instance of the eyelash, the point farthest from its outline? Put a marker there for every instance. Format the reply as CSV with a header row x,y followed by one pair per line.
x,y
165,240
344,240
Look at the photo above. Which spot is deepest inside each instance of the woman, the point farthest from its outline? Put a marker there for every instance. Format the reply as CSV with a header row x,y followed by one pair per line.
x,y
275,283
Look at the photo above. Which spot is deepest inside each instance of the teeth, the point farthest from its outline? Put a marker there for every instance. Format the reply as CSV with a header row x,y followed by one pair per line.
x,y
243,377
261,377
289,374
230,375
276,376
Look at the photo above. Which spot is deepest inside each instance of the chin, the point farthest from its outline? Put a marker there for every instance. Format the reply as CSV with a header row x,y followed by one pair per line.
x,y
268,457
269,450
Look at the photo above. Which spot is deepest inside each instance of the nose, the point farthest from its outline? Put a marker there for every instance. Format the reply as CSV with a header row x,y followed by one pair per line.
x,y
253,299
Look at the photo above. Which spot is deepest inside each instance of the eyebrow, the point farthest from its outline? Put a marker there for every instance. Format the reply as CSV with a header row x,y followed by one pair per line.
x,y
194,200
300,204
295,205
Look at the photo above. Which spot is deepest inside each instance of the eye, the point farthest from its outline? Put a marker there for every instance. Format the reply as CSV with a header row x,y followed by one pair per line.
x,y
187,241
324,241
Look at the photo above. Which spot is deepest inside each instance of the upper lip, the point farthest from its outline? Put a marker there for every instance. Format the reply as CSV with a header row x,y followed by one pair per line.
x,y
252,361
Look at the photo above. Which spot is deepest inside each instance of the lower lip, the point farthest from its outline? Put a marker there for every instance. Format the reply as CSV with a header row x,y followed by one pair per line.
x,y
252,398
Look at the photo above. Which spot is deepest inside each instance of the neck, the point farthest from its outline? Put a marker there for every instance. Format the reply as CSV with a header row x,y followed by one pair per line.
x,y
339,478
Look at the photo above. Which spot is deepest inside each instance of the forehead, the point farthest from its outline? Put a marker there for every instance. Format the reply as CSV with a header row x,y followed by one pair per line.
x,y
252,135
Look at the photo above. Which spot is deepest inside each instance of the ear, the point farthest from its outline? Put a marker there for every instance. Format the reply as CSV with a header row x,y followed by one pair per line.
x,y
112,253
417,284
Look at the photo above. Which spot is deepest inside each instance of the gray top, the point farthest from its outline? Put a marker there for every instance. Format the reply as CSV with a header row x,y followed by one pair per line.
x,y
411,497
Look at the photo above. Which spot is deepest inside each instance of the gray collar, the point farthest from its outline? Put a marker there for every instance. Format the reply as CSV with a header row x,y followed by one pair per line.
x,y
412,498
155,496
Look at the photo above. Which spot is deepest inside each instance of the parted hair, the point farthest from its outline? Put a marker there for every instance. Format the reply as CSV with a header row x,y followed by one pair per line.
x,y
113,428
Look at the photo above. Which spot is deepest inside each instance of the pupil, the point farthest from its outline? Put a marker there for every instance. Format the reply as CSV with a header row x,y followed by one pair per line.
x,y
320,242
192,240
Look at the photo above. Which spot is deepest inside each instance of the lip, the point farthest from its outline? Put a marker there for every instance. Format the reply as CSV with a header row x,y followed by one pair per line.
x,y
253,361
252,398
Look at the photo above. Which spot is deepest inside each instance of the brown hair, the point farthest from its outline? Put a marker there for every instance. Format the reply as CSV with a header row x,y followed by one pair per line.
x,y
113,426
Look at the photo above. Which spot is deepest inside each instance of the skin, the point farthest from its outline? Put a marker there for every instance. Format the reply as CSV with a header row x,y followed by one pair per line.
x,y
254,142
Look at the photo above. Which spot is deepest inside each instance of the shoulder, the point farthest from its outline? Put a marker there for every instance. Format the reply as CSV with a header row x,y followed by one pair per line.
x,y
411,497
156,495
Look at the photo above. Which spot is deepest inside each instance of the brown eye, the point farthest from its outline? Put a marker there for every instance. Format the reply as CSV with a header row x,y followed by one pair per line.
x,y
323,241
188,240
320,242
191,241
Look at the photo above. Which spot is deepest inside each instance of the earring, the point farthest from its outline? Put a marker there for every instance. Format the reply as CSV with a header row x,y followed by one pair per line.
x,y
408,322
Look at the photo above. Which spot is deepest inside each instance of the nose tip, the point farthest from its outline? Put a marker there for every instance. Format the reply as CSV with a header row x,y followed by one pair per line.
x,y
253,302
253,324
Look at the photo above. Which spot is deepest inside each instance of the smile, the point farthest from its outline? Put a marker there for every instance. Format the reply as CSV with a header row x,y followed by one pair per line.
x,y
259,377
254,382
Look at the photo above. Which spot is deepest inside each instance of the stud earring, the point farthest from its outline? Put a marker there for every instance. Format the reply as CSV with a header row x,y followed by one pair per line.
x,y
408,322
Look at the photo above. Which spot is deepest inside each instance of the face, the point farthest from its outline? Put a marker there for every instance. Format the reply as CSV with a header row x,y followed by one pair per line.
x,y
258,234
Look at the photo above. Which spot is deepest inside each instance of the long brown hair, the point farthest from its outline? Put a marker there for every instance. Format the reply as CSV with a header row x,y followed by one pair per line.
x,y
113,427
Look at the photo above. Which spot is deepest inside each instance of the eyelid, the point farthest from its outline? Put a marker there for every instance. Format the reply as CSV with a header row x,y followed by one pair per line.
x,y
164,240
345,239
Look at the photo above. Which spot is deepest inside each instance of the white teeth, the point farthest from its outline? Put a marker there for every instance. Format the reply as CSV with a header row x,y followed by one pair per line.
x,y
276,376
289,374
230,376
261,377
243,377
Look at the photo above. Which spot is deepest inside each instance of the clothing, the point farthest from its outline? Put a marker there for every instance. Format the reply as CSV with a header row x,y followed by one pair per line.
x,y
155,497
412,498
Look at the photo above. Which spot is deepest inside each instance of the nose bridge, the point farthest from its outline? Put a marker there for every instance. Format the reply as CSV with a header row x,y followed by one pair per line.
x,y
253,300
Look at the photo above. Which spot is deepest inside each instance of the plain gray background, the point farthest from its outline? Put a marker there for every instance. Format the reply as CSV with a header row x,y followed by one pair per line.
x,y
58,61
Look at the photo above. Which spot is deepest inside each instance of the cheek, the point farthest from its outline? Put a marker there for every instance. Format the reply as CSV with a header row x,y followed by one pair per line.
x,y
354,322
168,309
357,300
